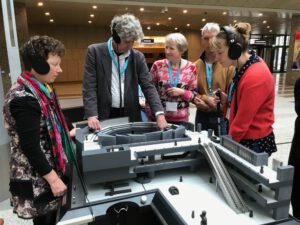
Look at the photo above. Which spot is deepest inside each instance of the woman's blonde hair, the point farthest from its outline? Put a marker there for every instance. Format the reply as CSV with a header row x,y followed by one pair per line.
x,y
241,32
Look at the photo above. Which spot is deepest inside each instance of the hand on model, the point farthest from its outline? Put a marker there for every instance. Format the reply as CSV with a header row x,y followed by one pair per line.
x,y
94,123
161,121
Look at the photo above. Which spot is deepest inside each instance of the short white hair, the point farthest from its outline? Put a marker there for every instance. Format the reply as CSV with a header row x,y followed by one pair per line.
x,y
127,27
210,27
179,39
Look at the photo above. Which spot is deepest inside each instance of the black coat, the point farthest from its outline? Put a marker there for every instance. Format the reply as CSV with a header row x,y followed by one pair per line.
x,y
294,158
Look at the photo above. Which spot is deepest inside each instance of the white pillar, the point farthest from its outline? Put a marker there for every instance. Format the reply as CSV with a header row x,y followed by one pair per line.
x,y
11,39
4,151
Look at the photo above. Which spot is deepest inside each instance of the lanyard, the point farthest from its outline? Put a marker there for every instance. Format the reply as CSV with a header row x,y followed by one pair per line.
x,y
231,88
113,58
174,83
208,71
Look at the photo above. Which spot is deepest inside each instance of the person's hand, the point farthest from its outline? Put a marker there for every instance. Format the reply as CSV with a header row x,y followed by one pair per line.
x,y
142,102
200,104
94,123
223,98
73,132
57,186
212,101
174,92
161,121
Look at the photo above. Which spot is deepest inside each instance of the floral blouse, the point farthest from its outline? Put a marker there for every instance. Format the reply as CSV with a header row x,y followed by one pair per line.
x,y
187,81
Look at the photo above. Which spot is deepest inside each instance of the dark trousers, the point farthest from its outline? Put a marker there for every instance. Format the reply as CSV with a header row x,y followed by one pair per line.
x,y
47,219
116,113
209,120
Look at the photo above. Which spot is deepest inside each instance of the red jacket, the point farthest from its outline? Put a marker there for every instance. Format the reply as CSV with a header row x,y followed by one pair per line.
x,y
255,104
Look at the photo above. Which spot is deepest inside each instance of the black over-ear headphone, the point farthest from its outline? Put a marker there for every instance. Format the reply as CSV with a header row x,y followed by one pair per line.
x,y
235,48
115,35
38,62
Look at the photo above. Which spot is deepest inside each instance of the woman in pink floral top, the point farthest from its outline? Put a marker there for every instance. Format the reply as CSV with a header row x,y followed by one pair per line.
x,y
175,79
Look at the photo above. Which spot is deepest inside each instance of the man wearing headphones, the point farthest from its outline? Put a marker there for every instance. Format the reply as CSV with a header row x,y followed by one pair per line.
x,y
112,73
249,105
212,76
40,141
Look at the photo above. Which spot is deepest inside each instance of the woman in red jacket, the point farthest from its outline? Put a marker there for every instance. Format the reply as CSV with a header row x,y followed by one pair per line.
x,y
250,100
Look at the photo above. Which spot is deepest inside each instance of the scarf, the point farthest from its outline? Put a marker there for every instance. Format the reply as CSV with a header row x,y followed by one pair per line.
x,y
55,120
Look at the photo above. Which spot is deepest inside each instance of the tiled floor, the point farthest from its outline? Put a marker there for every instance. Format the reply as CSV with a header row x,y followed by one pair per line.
x,y
283,129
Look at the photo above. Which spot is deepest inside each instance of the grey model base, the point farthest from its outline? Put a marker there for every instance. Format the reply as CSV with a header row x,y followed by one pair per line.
x,y
126,151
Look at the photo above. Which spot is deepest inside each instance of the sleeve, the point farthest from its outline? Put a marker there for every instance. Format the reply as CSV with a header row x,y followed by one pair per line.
x,y
89,86
252,93
192,85
153,73
297,96
147,86
27,113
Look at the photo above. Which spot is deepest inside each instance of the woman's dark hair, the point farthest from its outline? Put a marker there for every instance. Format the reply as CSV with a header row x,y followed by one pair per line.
x,y
40,46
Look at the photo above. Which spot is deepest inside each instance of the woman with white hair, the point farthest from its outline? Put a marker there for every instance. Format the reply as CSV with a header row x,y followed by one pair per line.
x,y
175,79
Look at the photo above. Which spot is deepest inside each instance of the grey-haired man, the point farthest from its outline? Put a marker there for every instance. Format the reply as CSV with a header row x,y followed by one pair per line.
x,y
112,72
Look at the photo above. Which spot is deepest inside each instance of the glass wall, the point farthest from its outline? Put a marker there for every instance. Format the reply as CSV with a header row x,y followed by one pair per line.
x,y
273,49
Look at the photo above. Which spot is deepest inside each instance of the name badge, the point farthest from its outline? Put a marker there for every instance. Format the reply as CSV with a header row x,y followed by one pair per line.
x,y
228,113
171,106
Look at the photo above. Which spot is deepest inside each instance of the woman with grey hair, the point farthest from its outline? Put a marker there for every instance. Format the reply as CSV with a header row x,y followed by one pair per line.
x,y
175,79
112,72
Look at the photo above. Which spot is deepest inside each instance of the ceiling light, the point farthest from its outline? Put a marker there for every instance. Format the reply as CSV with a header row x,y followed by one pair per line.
x,y
169,18
157,24
235,21
148,28
40,4
264,21
92,15
142,9
175,28
260,14
268,27
95,7
51,20
47,14
89,21
270,31
184,11
126,8
224,13
188,25
203,20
